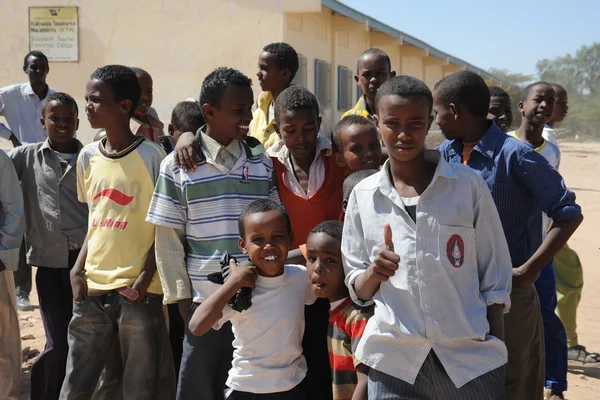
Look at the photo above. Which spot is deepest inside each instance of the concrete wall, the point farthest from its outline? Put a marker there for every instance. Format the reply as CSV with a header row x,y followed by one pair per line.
x,y
178,42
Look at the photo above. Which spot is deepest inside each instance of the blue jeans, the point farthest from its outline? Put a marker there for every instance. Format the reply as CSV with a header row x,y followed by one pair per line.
x,y
555,337
129,339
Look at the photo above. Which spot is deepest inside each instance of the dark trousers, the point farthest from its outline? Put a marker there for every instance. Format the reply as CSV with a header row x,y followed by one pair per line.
x,y
23,274
56,307
314,345
555,337
433,383
176,335
129,339
205,363
297,393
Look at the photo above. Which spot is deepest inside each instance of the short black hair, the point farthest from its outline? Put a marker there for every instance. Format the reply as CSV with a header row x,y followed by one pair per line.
x,y
295,98
285,55
405,86
34,53
352,119
352,180
122,81
378,52
559,87
62,98
497,91
140,72
187,116
331,228
219,80
525,92
465,88
262,206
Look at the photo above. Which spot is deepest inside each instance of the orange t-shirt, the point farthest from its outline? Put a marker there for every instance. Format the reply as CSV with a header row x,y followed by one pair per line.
x,y
467,149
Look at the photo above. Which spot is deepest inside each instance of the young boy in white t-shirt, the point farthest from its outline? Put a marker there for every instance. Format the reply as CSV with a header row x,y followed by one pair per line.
x,y
267,357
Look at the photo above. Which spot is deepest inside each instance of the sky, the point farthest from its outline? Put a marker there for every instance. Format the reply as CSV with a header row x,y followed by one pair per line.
x,y
509,34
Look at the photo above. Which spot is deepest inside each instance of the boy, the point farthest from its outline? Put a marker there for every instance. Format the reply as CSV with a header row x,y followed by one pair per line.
x,y
56,229
117,293
500,110
307,176
277,67
347,321
142,122
268,361
186,117
561,108
536,105
350,183
196,213
356,143
372,70
568,268
12,225
523,186
442,281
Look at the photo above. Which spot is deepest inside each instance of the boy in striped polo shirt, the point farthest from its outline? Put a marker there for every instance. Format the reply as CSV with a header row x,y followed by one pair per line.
x,y
347,320
196,214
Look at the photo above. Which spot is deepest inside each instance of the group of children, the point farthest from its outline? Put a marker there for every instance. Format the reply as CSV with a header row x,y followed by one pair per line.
x,y
411,278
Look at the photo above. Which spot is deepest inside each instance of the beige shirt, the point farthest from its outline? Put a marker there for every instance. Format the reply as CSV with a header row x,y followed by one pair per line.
x,y
151,131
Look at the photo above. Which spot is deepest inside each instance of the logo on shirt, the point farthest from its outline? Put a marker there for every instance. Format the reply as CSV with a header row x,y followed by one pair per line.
x,y
245,173
455,250
115,195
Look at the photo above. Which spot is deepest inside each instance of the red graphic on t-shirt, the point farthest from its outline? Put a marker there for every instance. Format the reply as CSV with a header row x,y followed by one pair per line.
x,y
115,195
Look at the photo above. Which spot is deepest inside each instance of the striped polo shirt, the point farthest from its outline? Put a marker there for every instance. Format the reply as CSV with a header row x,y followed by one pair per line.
x,y
205,204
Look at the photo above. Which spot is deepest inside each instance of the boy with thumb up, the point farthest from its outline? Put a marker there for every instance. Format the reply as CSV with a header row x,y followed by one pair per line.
x,y
423,241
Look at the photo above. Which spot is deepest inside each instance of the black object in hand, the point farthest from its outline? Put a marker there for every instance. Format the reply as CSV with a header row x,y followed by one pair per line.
x,y
242,300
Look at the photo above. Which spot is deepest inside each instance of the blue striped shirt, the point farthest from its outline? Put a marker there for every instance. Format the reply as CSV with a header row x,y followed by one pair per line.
x,y
523,185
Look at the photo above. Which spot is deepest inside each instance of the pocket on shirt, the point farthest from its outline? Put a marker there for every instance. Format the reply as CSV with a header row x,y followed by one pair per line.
x,y
456,246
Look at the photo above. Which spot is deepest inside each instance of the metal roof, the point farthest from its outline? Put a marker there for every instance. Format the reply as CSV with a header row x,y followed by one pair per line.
x,y
351,13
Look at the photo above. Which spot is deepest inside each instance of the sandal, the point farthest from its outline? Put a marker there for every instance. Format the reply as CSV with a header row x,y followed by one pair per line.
x,y
578,355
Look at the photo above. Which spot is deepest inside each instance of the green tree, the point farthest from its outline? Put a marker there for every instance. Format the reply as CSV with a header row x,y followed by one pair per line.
x,y
516,78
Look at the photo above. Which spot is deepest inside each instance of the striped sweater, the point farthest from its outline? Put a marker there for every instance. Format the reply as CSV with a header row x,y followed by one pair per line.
x,y
205,204
347,322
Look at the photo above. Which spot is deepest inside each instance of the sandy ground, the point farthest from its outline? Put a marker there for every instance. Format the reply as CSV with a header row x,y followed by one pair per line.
x,y
579,166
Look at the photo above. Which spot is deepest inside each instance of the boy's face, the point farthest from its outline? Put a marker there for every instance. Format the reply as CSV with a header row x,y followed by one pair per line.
x,y
299,130
231,118
60,121
538,107
266,241
500,111
561,105
373,71
36,69
145,96
360,147
101,108
446,118
324,266
403,123
269,76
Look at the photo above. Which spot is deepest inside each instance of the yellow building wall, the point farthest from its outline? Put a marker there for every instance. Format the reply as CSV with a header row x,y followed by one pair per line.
x,y
349,46
413,66
177,42
433,73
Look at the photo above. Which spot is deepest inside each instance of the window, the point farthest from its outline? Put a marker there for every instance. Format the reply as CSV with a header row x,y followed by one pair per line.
x,y
323,83
301,78
345,99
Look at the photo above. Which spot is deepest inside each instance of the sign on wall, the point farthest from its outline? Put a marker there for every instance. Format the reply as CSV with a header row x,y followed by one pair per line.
x,y
55,32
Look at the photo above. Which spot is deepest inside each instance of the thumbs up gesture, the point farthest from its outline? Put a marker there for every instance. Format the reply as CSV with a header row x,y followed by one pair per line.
x,y
386,262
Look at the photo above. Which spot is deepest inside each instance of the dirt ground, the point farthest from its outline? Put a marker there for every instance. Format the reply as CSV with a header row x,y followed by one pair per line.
x,y
579,167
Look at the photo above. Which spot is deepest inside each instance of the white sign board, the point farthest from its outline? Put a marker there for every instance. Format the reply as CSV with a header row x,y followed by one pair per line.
x,y
55,32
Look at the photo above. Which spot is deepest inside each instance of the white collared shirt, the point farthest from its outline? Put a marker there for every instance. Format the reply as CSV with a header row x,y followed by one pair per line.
x,y
22,109
454,262
316,173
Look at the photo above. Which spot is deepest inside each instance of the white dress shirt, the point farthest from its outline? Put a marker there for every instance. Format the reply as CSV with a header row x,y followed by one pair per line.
x,y
22,109
454,262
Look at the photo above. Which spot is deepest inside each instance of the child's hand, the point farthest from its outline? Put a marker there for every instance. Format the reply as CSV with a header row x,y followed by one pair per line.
x,y
386,262
187,152
78,286
141,285
242,275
